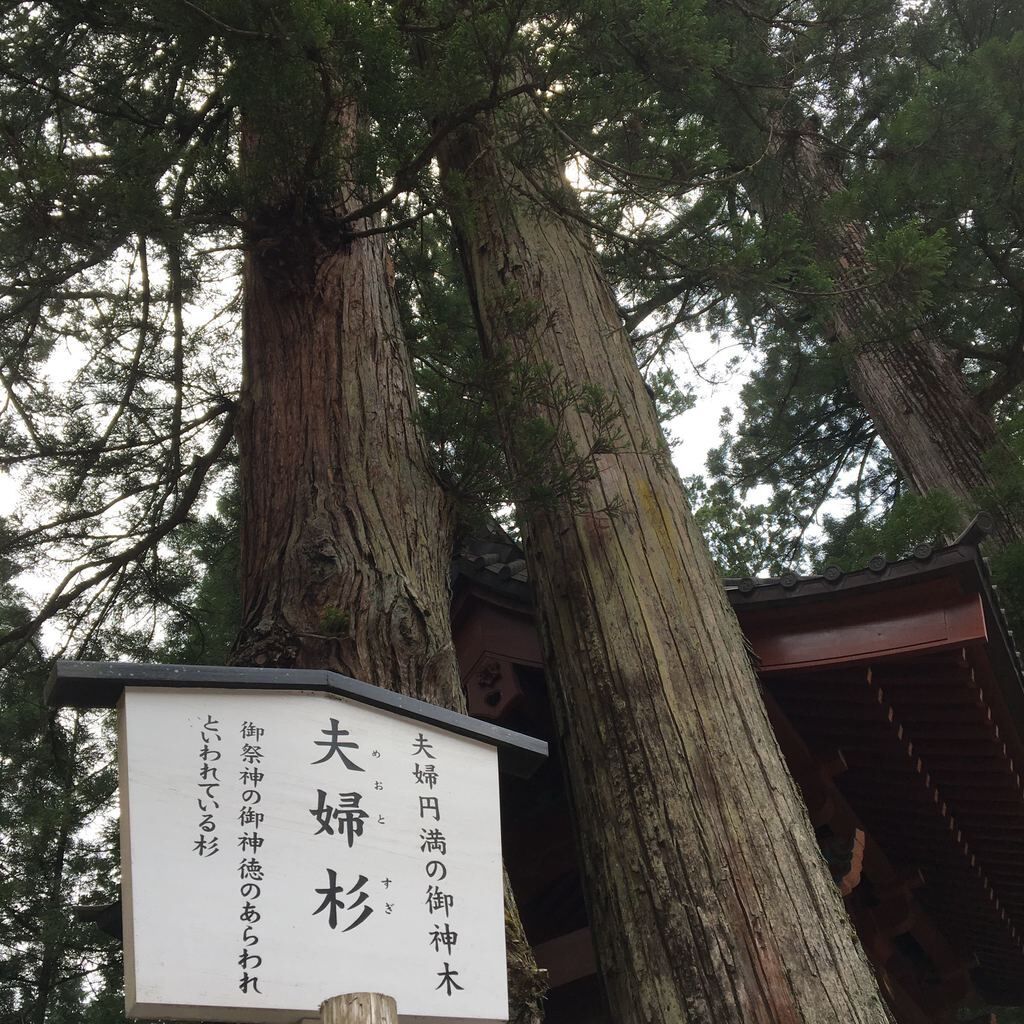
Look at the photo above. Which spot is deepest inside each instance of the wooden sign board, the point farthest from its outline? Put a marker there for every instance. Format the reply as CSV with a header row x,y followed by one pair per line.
x,y
279,848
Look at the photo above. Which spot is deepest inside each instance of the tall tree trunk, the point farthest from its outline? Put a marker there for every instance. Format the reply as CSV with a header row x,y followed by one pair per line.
x,y
708,897
53,942
938,433
346,535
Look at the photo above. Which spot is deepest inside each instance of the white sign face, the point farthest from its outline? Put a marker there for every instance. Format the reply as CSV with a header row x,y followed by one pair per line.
x,y
281,848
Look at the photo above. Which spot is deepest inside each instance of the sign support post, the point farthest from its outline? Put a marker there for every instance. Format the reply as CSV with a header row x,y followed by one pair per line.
x,y
357,1008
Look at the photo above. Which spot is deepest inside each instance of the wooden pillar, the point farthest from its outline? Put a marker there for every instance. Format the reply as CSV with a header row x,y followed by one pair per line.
x,y
358,1008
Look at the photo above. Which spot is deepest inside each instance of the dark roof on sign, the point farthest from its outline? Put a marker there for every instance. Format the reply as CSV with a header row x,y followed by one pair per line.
x,y
99,684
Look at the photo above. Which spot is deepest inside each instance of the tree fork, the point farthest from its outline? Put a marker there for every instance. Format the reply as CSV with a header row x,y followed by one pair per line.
x,y
708,896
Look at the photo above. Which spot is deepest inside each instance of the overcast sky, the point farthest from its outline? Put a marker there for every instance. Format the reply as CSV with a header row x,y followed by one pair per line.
x,y
704,369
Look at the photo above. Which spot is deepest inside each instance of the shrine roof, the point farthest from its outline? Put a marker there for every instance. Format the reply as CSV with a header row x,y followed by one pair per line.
x,y
926,561
494,561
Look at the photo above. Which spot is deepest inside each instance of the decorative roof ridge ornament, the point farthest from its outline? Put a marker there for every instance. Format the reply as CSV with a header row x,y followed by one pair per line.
x,y
976,530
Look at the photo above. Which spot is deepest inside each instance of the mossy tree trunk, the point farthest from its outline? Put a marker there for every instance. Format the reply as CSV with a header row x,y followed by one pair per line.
x,y
708,897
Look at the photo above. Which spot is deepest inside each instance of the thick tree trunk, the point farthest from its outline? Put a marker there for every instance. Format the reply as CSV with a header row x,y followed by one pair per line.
x,y
346,535
937,432
708,897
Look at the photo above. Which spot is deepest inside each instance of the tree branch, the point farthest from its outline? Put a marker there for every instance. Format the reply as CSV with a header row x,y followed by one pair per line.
x,y
61,598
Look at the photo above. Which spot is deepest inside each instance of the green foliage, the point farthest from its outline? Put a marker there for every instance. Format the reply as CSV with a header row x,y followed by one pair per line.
x,y
458,385
57,849
550,470
141,152
334,621
1007,569
898,126
912,520
143,147
950,158
58,824
911,264
201,588
746,539
805,439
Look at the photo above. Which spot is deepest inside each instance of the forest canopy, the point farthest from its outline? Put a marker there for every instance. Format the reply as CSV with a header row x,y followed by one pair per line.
x,y
837,186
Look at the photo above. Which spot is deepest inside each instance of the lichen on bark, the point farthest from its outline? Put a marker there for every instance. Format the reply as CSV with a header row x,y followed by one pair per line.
x,y
707,894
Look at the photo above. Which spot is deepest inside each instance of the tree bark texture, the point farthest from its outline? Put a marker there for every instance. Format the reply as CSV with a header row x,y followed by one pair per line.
x,y
708,897
906,380
346,535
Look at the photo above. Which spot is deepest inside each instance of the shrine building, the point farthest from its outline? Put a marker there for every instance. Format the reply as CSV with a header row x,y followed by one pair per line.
x,y
896,696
